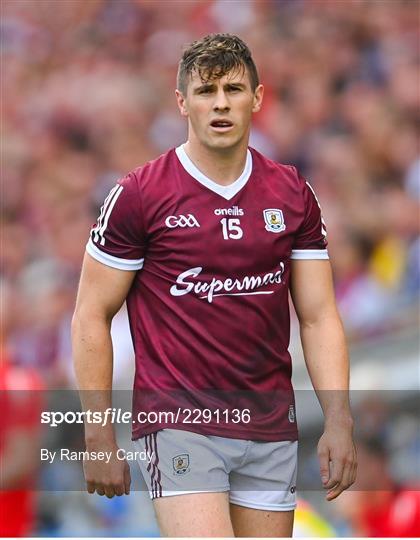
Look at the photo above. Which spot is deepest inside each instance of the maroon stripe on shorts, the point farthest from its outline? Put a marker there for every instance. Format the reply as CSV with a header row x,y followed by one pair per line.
x,y
146,441
154,470
150,465
159,479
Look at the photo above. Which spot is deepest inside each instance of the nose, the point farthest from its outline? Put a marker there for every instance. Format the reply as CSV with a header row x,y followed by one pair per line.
x,y
221,102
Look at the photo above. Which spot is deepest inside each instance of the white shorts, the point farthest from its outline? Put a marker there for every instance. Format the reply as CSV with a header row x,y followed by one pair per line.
x,y
260,475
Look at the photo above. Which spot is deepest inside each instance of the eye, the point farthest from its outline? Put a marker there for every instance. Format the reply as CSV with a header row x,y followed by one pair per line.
x,y
205,90
234,89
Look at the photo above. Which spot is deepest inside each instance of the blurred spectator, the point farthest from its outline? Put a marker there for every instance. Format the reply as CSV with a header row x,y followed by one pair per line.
x,y
20,405
376,506
41,314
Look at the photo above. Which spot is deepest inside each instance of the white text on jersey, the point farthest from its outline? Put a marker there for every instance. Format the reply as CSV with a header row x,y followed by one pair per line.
x,y
234,211
228,287
181,221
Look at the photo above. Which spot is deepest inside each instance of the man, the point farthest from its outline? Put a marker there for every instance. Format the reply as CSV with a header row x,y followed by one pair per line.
x,y
203,244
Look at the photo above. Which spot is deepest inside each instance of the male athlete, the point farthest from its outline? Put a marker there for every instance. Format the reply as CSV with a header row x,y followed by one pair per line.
x,y
204,243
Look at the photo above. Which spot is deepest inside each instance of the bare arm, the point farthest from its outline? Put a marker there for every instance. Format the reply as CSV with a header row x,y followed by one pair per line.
x,y
102,291
326,357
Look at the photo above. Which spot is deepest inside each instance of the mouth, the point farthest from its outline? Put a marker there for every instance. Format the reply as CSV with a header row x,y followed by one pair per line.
x,y
221,126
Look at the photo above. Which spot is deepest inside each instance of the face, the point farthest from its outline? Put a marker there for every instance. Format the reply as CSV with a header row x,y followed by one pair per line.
x,y
219,111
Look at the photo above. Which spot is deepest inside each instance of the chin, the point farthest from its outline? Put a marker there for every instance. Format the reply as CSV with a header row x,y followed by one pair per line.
x,y
222,143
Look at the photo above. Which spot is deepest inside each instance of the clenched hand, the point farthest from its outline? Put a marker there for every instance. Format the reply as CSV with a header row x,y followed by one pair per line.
x,y
112,478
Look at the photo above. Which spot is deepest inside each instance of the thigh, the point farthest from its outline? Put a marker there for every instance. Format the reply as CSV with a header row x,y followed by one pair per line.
x,y
249,522
198,514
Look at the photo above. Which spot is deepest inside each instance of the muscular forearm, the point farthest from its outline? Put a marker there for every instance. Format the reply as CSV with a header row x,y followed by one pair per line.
x,y
102,291
92,349
325,350
327,361
93,363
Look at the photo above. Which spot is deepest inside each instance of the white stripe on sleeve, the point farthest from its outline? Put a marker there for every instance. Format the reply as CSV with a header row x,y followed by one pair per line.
x,y
107,214
110,260
306,254
323,226
102,212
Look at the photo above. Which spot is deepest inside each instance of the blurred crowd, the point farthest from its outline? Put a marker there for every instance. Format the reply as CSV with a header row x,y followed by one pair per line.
x,y
89,90
88,95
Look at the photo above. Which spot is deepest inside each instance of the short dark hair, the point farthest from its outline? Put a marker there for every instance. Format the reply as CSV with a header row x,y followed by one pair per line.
x,y
213,57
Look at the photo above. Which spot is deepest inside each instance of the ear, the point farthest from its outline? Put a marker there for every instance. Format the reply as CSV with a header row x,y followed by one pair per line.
x,y
258,98
181,101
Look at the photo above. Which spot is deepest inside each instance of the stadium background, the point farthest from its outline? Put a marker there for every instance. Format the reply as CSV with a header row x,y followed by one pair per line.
x,y
87,95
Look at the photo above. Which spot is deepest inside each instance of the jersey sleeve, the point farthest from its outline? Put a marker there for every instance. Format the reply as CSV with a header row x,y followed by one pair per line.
x,y
118,237
311,239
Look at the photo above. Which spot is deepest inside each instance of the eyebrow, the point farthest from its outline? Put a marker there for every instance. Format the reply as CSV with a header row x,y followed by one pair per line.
x,y
211,85
238,84
204,86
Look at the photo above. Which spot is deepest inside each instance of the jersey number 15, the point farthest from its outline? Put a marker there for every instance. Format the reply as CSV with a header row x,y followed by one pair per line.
x,y
231,228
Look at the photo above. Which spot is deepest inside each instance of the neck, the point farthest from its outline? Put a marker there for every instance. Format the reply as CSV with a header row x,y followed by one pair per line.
x,y
223,166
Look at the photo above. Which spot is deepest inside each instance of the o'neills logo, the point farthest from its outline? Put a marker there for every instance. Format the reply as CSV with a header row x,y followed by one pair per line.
x,y
227,287
234,211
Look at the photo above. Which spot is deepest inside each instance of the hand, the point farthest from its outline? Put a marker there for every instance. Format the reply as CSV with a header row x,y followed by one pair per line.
x,y
337,459
112,478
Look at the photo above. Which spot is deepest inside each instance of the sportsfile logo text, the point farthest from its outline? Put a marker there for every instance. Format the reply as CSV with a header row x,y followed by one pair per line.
x,y
110,415
117,416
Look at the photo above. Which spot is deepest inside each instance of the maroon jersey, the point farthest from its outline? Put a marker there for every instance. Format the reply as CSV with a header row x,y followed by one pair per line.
x,y
208,309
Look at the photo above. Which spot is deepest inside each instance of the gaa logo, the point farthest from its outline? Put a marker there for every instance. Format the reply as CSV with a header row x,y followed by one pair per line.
x,y
181,221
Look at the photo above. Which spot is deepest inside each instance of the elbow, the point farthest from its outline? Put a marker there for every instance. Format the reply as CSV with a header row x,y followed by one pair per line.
x,y
85,317
320,318
81,319
78,322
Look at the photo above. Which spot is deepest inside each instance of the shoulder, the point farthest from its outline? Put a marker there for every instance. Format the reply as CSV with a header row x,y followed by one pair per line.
x,y
152,171
274,171
148,187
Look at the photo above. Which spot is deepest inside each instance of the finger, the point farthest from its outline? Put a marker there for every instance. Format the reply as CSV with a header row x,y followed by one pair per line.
x,y
127,480
346,481
355,465
119,489
324,465
334,492
354,473
337,468
100,490
109,492
342,485
90,486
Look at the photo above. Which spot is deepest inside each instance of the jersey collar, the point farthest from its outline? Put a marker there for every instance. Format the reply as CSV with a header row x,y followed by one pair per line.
x,y
227,192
